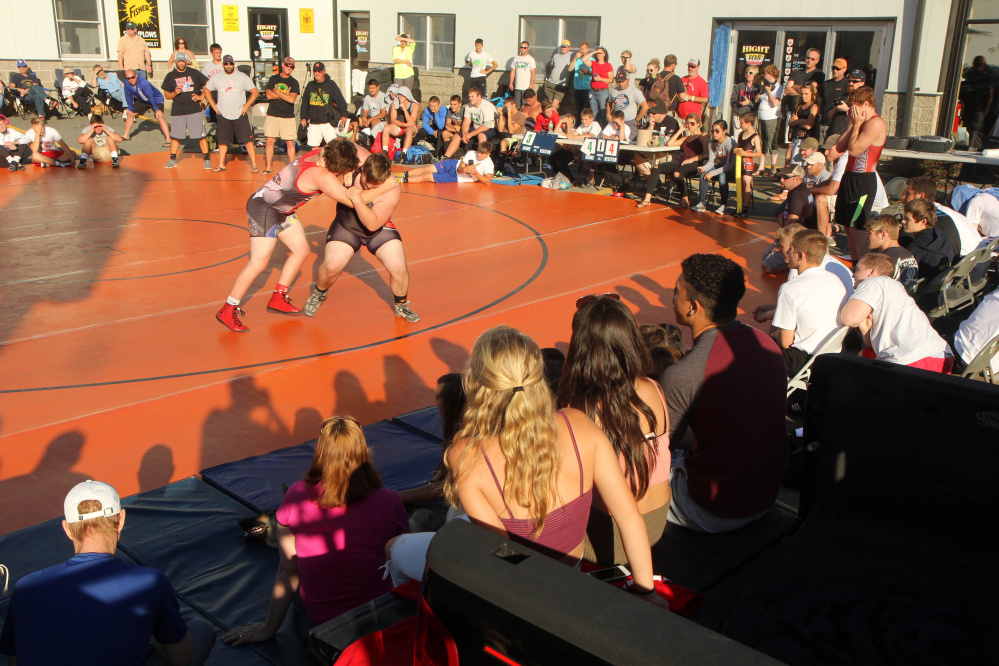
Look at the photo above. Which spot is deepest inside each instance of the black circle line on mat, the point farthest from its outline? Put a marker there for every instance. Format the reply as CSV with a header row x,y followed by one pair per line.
x,y
532,278
43,280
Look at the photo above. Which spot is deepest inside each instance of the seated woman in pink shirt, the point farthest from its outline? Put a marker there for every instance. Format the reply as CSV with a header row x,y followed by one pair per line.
x,y
332,529
605,376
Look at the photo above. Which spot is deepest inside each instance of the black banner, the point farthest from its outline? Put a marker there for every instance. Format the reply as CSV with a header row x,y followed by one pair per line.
x,y
145,15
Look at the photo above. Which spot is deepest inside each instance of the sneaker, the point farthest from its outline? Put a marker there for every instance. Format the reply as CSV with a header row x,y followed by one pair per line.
x,y
315,299
281,304
63,164
208,165
171,164
114,163
229,316
700,208
12,167
402,310
720,210
82,164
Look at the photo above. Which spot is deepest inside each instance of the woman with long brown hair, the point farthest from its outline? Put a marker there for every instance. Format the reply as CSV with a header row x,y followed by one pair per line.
x,y
528,472
605,376
332,529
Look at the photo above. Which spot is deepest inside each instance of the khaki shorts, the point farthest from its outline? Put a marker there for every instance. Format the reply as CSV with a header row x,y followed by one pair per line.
x,y
280,128
101,154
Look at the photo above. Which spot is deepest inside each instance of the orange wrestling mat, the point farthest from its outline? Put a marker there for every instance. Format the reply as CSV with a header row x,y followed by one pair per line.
x,y
114,367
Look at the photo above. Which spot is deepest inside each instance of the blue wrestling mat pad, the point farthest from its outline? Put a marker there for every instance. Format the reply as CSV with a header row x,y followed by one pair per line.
x,y
405,458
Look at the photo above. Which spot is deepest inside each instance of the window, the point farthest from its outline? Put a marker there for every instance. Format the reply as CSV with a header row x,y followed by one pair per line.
x,y
78,23
190,21
545,33
434,35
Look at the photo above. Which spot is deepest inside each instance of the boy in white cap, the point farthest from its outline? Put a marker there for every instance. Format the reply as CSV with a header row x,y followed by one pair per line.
x,y
95,607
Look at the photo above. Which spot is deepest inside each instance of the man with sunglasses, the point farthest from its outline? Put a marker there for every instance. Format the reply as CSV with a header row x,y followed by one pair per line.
x,y
558,72
185,86
695,91
133,52
281,91
522,70
833,92
142,96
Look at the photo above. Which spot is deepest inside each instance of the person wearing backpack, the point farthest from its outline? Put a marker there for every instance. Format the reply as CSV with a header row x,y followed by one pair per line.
x,y
664,94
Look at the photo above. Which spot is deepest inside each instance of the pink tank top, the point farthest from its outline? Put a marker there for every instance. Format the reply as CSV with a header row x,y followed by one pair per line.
x,y
565,527
660,464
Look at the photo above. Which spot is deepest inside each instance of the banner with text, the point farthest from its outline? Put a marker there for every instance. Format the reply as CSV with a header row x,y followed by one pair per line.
x,y
145,15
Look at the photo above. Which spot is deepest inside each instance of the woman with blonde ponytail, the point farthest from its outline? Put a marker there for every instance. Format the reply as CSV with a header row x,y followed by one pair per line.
x,y
528,472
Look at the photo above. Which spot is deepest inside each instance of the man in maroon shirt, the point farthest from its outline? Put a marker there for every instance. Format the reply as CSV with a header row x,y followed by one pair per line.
x,y
729,390
695,94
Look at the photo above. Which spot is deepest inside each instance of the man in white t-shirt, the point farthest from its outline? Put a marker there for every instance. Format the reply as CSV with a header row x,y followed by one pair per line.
x,y
980,207
475,167
522,71
983,210
977,330
47,146
478,122
893,326
807,307
482,65
374,108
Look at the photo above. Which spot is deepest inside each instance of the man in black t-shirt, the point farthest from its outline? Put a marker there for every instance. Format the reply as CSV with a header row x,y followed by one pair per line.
x,y
29,87
282,90
833,90
800,206
185,85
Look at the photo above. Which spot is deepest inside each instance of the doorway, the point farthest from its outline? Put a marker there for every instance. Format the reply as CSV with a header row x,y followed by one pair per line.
x,y
867,46
356,39
268,42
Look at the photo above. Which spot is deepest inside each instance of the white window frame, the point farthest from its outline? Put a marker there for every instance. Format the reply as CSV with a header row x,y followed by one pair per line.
x,y
179,28
102,38
428,66
561,28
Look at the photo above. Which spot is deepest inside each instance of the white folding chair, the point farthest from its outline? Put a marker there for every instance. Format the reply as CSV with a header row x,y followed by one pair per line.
x,y
832,344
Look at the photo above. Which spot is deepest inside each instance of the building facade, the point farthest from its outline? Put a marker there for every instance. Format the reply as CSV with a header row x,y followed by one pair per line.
x,y
913,51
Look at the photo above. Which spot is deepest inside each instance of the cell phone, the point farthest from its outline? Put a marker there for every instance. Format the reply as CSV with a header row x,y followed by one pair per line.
x,y
611,574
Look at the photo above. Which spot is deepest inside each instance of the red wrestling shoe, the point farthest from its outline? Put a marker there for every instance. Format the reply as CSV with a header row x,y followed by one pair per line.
x,y
229,315
281,304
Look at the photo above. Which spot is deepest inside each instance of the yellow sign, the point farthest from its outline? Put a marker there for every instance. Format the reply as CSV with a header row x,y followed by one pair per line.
x,y
230,18
306,20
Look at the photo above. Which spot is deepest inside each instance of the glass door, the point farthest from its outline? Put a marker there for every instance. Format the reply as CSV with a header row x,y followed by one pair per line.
x,y
862,49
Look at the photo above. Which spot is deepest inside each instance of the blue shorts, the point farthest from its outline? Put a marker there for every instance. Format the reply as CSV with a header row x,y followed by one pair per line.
x,y
447,171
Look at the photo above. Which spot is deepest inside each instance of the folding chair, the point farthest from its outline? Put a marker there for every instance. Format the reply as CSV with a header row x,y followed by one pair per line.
x,y
981,365
18,105
953,287
832,344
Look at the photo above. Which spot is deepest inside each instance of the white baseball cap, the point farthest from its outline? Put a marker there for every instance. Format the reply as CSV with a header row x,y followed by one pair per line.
x,y
91,490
